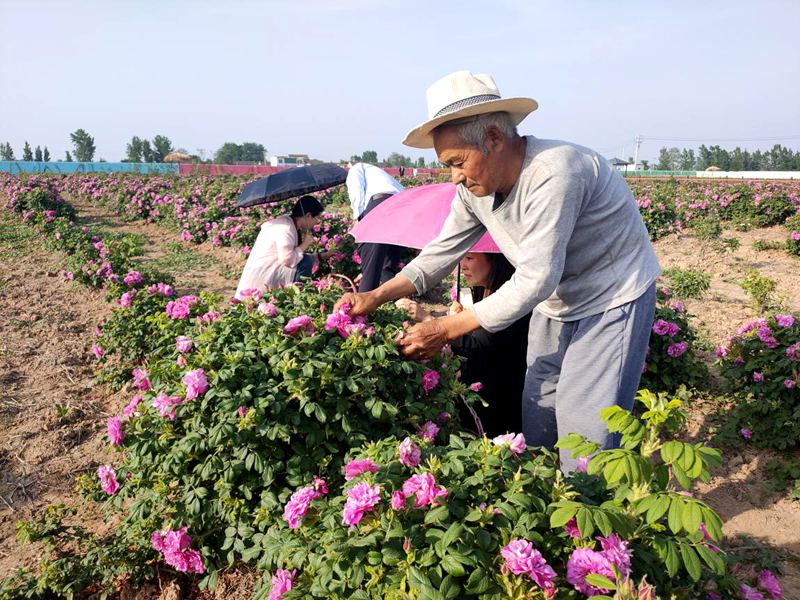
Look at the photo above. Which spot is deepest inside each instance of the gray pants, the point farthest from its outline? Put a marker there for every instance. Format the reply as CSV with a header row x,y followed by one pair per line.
x,y
577,368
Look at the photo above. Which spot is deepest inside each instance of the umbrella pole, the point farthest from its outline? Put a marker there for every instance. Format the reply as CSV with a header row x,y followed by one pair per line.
x,y
458,283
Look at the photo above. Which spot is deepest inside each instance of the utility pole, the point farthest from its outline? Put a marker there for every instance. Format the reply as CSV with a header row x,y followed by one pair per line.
x,y
638,142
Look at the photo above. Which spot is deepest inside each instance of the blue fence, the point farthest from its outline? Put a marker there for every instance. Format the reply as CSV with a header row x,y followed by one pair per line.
x,y
27,166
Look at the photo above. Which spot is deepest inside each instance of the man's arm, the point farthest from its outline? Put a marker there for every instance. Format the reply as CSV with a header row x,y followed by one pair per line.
x,y
365,303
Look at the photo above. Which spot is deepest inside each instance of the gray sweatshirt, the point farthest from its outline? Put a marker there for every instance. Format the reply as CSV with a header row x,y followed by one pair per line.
x,y
570,227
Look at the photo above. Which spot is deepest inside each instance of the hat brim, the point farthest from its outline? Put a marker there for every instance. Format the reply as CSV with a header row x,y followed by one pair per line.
x,y
519,108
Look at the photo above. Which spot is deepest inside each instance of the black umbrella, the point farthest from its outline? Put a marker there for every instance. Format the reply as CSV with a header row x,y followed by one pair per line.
x,y
291,182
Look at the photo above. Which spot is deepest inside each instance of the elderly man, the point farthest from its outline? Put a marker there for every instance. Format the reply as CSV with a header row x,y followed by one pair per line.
x,y
568,223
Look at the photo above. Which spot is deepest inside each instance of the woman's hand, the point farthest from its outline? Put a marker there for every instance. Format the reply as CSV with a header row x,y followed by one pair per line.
x,y
414,310
308,240
455,308
326,255
423,341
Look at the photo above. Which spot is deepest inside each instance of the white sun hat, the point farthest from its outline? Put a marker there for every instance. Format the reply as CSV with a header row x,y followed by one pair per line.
x,y
465,94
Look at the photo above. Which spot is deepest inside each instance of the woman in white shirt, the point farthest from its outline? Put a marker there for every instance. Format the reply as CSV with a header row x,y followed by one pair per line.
x,y
278,257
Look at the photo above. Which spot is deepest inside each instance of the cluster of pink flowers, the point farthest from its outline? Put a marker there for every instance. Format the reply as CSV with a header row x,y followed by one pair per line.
x,y
282,582
793,351
430,379
209,317
126,299
133,278
428,431
196,383
521,558
165,405
476,387
160,288
302,323
267,308
108,479
141,380
665,328
423,487
175,546
357,467
300,501
130,410
183,343
361,498
746,433
585,561
678,349
409,453
115,432
516,442
181,307
98,351
344,324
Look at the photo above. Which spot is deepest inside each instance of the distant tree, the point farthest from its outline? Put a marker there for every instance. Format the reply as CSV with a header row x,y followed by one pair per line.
x,y
355,158
737,159
687,160
37,154
396,159
84,145
251,152
46,155
703,158
421,162
645,164
227,154
27,154
6,152
147,151
369,156
68,157
161,147
133,151
663,160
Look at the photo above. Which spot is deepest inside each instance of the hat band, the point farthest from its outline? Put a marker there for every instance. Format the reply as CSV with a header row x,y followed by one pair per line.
x,y
465,102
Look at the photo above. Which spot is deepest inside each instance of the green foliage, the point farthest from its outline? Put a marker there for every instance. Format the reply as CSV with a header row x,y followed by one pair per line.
x,y
792,224
671,359
6,152
761,363
27,153
84,145
230,153
687,283
452,549
708,228
761,290
762,245
785,473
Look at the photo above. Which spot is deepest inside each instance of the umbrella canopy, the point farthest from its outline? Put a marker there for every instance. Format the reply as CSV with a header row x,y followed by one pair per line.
x,y
290,183
412,218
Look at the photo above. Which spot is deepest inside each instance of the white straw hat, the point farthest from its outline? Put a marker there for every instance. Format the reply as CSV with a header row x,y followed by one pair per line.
x,y
465,94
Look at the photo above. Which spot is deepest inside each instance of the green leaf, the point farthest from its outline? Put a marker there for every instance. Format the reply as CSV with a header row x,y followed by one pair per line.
x,y
691,516
452,566
585,522
600,581
451,534
674,518
562,515
691,561
657,510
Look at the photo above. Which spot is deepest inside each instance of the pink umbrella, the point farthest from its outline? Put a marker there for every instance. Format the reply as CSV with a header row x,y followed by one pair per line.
x,y
412,218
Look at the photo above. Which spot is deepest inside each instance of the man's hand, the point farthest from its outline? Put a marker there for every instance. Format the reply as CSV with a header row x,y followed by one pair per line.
x,y
455,308
326,255
364,303
424,340
414,310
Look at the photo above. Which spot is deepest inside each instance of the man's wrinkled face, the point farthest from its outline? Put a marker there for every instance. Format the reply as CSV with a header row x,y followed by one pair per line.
x,y
468,165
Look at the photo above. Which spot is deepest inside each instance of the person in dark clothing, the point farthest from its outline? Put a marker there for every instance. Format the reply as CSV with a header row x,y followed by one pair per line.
x,y
495,360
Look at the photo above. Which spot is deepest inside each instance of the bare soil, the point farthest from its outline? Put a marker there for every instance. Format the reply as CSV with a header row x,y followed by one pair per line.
x,y
52,413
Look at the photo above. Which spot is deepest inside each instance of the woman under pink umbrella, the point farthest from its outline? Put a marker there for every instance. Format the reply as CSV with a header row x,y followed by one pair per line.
x,y
495,361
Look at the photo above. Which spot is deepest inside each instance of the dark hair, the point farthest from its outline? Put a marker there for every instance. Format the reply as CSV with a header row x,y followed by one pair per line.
x,y
307,205
500,271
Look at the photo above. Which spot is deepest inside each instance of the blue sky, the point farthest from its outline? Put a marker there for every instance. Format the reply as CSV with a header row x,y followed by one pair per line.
x,y
332,78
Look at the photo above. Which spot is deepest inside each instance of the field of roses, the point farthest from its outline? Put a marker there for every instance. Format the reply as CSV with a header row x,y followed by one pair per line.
x,y
275,432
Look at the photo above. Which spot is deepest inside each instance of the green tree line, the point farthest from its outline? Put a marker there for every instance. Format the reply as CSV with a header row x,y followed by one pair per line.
x,y
778,158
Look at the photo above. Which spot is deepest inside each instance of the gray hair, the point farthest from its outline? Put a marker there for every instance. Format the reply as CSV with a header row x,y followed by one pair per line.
x,y
472,130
